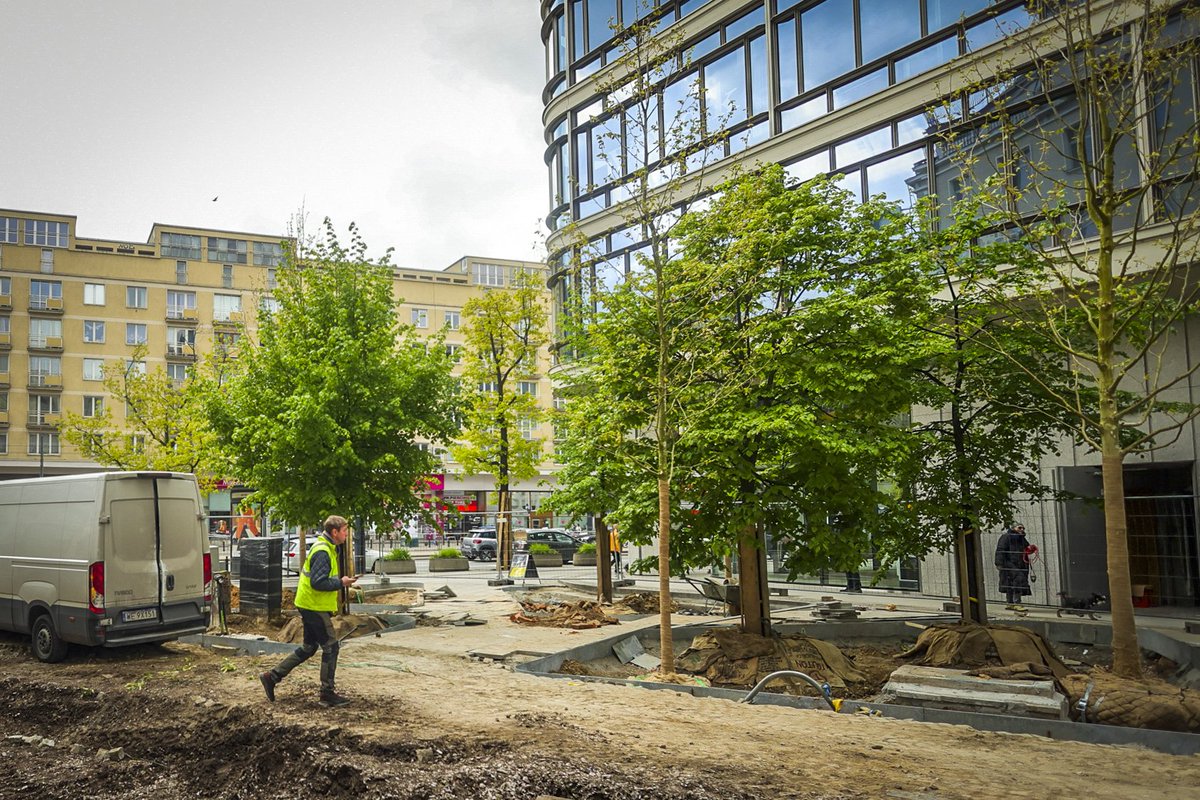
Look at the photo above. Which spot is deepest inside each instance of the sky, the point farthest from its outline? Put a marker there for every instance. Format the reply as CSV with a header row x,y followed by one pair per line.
x,y
420,120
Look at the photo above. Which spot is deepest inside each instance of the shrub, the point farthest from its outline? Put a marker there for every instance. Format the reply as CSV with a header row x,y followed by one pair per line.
x,y
448,552
585,548
540,549
399,554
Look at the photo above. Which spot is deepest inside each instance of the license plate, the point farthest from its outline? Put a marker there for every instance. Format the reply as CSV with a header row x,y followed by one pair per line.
x,y
139,614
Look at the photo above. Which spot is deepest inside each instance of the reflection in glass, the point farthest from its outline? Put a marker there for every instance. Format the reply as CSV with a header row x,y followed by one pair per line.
x,y
856,90
852,183
601,15
785,35
805,112
725,90
827,31
947,12
926,59
991,30
871,143
759,99
809,167
901,178
888,25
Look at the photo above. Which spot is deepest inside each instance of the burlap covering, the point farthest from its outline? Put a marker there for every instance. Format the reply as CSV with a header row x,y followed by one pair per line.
x,y
959,645
344,626
1145,703
729,657
641,603
578,616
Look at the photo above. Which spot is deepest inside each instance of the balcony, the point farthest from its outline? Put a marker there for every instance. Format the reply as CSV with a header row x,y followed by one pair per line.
x,y
6,300
45,343
181,352
4,379
5,340
177,314
233,319
46,305
3,417
38,380
44,419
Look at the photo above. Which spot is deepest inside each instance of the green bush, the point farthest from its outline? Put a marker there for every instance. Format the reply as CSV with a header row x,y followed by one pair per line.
x,y
448,552
399,554
585,548
540,549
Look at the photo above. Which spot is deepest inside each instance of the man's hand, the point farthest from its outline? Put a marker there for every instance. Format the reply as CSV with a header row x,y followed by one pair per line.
x,y
348,581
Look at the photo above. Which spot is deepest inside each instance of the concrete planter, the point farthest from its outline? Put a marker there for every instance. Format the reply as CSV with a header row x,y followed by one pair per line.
x,y
546,560
449,565
584,560
404,566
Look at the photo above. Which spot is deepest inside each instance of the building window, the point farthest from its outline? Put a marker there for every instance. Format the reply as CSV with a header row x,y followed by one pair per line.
x,y
453,320
180,245
420,317
177,373
5,325
93,294
527,387
93,331
269,305
6,287
225,306
137,443
45,294
489,274
227,276
134,367
4,365
135,296
527,427
93,405
135,333
45,333
46,234
453,351
45,371
228,251
4,442
43,444
8,230
272,280
46,264
181,341
268,254
93,369
181,305
488,387
181,272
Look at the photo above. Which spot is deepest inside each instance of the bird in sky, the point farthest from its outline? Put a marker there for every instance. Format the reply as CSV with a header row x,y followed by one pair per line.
x,y
215,198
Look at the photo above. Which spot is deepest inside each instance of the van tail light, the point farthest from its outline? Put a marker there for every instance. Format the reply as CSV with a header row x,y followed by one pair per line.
x,y
208,577
96,588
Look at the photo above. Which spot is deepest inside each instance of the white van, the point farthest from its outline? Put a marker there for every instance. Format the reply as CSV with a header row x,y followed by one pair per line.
x,y
104,559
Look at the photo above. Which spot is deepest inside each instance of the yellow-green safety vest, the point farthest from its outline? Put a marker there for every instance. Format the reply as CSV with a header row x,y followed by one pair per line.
x,y
309,598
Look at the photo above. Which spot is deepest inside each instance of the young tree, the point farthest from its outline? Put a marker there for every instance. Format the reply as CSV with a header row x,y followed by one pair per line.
x,y
165,424
653,138
1083,138
504,333
325,414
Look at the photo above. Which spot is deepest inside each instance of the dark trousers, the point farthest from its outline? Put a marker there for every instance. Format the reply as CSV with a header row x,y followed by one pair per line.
x,y
318,632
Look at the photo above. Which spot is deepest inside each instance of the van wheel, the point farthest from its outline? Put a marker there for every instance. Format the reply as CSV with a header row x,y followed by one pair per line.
x,y
47,646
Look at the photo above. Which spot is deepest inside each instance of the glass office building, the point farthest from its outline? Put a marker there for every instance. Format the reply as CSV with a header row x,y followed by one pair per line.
x,y
858,88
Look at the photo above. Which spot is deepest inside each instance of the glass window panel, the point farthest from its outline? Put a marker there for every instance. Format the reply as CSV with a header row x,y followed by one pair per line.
x,y
868,144
913,129
852,183
862,87
926,59
785,37
888,25
602,15
784,5
748,20
579,31
947,12
991,30
901,178
759,101
827,34
1046,146
805,112
1175,122
705,46
809,166
725,90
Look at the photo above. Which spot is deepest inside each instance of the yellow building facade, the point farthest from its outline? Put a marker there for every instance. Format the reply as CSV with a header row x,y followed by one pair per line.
x,y
70,304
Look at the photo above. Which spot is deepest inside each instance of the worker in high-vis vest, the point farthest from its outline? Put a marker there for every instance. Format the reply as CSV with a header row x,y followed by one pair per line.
x,y
614,549
317,601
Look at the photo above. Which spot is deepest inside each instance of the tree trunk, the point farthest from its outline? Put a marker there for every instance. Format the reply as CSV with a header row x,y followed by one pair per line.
x,y
665,642
1127,658
604,582
752,581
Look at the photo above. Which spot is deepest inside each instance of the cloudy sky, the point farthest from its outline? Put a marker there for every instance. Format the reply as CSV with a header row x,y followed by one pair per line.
x,y
418,119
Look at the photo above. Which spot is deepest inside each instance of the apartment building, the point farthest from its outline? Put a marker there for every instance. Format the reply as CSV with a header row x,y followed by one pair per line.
x,y
856,88
71,304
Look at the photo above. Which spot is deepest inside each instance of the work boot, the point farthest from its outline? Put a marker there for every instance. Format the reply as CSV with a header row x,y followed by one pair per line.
x,y
269,680
334,700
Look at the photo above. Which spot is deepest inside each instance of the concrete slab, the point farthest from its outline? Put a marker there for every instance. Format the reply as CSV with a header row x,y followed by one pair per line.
x,y
931,687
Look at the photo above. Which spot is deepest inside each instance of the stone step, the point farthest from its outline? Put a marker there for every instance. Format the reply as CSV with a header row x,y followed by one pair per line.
x,y
957,679
930,687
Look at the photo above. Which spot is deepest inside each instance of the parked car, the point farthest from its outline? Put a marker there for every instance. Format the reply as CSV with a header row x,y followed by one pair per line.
x,y
292,562
559,540
479,544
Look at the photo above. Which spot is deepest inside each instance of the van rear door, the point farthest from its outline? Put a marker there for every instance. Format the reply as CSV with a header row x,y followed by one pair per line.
x,y
152,552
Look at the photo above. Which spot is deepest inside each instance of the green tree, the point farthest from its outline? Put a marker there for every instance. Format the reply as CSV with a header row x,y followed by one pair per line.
x,y
325,415
504,335
1083,138
165,424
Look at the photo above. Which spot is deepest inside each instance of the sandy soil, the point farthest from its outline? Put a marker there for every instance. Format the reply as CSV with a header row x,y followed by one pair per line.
x,y
429,721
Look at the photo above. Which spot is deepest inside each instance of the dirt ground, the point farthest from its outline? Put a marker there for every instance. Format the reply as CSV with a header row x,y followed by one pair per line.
x,y
431,720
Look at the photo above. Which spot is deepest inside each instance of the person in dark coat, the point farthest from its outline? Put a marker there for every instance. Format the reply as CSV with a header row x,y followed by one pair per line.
x,y
1014,566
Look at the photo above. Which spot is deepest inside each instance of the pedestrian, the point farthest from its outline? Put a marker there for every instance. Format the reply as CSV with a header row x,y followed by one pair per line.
x,y
317,601
614,551
853,583
1013,563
